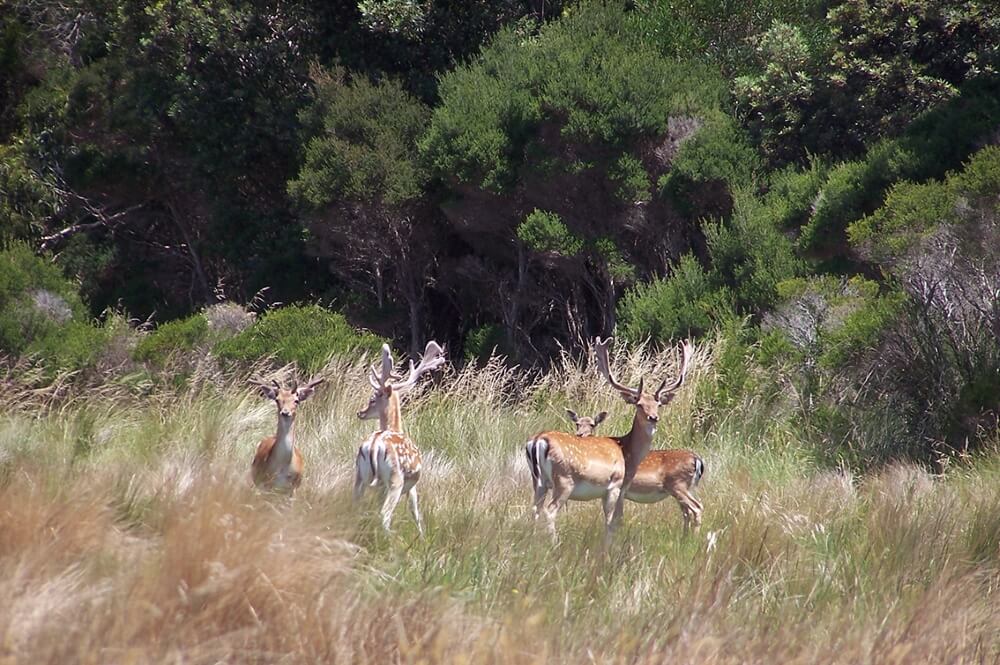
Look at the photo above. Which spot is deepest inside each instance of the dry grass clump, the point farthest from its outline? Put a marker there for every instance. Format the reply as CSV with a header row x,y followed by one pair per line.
x,y
129,533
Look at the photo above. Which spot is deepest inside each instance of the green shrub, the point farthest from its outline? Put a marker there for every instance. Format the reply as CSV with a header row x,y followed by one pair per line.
x,y
631,179
483,341
75,346
362,148
589,75
792,193
35,299
940,140
831,320
852,190
545,232
980,178
304,334
910,209
719,151
861,329
686,303
750,255
170,338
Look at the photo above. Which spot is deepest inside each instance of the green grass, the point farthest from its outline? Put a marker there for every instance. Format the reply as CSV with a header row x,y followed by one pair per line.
x,y
130,530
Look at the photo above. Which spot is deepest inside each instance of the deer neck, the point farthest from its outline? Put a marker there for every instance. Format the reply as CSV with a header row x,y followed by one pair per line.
x,y
390,418
636,444
285,438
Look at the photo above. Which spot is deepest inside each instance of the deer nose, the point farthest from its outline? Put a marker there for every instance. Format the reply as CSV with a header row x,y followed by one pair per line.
x,y
286,412
654,419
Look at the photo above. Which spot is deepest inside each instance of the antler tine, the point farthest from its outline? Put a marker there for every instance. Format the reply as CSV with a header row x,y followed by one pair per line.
x,y
604,367
276,384
386,366
687,351
314,381
432,359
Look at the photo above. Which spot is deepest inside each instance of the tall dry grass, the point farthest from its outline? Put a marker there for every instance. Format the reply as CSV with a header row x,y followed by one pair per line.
x,y
129,533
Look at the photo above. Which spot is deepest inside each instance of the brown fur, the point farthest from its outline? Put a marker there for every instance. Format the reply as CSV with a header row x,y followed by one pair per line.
x,y
662,473
260,467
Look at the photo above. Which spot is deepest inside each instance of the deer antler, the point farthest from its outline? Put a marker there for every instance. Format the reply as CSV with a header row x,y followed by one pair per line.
x,y
375,378
386,365
432,359
266,387
664,390
604,367
312,383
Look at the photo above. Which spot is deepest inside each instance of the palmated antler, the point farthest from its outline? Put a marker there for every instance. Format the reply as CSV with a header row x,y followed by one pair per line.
x,y
604,367
374,375
665,391
432,359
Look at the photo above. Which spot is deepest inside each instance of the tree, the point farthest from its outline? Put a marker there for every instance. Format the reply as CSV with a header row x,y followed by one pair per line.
x,y
364,190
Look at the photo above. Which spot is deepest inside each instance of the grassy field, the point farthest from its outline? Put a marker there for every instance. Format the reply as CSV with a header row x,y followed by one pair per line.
x,y
128,533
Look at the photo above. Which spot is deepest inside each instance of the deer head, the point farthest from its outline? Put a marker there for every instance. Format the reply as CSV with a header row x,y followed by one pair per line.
x,y
586,425
647,405
386,383
287,399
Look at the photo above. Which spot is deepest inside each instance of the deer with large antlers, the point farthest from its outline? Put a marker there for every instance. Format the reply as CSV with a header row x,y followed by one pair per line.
x,y
599,467
278,462
672,472
388,457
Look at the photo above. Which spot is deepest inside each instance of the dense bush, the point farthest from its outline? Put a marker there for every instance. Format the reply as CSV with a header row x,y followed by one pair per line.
x,y
939,141
76,346
304,334
882,64
686,303
35,299
171,338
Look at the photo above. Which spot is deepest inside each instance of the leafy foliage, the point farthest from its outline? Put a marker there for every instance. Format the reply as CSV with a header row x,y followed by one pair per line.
x,y
307,335
35,299
363,148
172,337
883,63
545,232
682,305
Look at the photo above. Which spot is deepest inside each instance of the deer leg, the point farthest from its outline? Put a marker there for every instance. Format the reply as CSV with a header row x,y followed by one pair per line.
x,y
691,509
415,509
363,475
560,495
359,482
610,513
540,491
392,495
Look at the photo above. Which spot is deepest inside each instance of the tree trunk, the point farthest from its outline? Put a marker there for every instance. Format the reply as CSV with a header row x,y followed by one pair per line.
x,y
199,272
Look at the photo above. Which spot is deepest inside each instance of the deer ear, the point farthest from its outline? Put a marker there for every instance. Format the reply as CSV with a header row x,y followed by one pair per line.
x,y
599,418
572,415
269,392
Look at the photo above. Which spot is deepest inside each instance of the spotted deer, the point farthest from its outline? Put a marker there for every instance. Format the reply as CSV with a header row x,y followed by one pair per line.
x,y
598,467
389,457
673,472
277,465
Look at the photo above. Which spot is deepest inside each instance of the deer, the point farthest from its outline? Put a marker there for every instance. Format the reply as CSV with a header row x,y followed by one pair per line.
x,y
599,467
389,457
672,472
277,465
